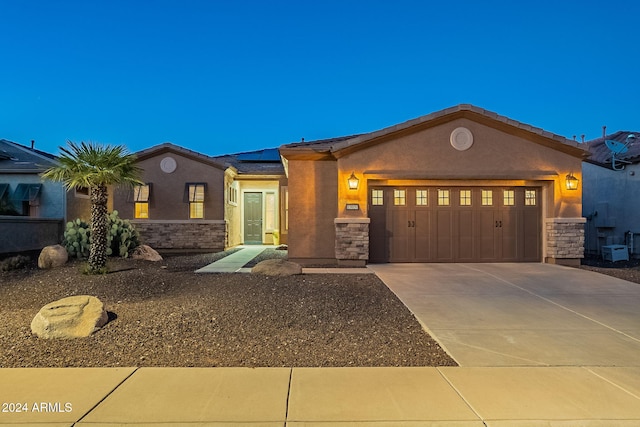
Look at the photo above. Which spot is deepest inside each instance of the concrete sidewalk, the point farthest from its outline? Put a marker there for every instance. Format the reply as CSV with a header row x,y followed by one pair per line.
x,y
461,397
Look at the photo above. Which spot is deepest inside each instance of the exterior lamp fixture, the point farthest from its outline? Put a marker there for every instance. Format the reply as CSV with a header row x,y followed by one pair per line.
x,y
353,182
571,182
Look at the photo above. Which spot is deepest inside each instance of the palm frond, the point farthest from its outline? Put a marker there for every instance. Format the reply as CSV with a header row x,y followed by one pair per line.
x,y
91,164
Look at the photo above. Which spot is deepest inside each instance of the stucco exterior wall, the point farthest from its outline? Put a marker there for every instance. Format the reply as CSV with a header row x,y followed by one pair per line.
x,y
611,205
427,157
52,203
167,200
312,209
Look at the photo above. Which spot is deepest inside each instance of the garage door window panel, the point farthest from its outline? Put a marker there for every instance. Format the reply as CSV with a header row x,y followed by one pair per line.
x,y
487,197
465,197
530,197
377,197
400,197
444,198
509,198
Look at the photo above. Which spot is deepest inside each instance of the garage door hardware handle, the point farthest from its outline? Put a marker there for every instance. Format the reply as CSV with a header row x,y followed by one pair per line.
x,y
498,224
411,224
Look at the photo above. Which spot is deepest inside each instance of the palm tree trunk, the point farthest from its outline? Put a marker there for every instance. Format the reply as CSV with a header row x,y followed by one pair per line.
x,y
99,224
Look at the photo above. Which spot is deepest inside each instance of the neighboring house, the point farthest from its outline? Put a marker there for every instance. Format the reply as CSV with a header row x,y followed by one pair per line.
x,y
33,211
459,185
191,201
611,196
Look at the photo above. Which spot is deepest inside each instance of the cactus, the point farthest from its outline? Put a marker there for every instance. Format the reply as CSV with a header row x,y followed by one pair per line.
x,y
121,238
76,239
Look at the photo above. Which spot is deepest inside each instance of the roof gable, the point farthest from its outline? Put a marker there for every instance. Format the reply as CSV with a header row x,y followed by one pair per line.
x,y
339,147
168,147
469,112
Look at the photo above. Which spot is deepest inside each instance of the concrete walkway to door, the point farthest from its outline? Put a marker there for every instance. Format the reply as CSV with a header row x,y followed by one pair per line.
x,y
522,314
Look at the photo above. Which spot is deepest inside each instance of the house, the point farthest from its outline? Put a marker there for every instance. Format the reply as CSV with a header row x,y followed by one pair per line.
x,y
32,210
611,196
191,201
458,185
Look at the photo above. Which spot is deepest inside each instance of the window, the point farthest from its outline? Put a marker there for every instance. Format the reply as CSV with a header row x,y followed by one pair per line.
x,y
487,197
195,193
286,207
28,195
529,197
377,197
399,197
270,211
141,200
465,197
509,198
422,197
82,192
443,198
232,195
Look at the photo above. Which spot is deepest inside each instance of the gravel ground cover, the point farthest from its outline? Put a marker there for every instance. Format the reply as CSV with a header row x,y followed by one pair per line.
x,y
164,314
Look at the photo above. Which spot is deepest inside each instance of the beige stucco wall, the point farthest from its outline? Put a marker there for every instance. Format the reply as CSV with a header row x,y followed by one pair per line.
x,y
495,158
168,189
500,156
312,209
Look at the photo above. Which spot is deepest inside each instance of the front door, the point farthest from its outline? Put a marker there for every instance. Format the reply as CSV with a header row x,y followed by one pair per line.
x,y
253,218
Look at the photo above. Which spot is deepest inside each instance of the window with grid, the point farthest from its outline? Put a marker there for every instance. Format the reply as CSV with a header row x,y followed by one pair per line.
x,y
529,197
141,201
465,197
196,200
377,197
487,197
443,198
399,197
422,197
509,197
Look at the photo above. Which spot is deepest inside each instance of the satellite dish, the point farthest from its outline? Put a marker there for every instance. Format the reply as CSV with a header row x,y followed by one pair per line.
x,y
616,147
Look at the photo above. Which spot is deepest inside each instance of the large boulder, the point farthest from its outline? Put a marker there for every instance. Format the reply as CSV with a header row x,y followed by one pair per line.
x,y
277,267
52,256
73,317
146,253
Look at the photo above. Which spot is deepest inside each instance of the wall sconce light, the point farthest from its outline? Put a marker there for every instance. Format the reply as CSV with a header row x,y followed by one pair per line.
x,y
571,182
353,182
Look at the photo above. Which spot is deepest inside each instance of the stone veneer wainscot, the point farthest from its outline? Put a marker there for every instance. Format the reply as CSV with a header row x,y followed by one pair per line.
x,y
173,234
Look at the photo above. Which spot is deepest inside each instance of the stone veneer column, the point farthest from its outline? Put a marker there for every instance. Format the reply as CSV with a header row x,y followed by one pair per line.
x,y
565,240
352,241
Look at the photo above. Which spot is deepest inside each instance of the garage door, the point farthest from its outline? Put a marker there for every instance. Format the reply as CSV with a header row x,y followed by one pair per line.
x,y
454,224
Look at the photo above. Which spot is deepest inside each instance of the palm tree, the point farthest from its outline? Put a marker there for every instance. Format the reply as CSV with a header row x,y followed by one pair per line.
x,y
95,166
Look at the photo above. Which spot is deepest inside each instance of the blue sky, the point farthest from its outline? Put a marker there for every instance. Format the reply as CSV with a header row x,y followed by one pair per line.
x,y
228,76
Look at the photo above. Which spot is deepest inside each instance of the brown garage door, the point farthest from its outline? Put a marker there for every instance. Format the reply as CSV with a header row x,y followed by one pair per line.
x,y
454,224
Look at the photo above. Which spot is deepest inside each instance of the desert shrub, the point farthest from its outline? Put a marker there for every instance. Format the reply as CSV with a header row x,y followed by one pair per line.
x,y
122,237
14,263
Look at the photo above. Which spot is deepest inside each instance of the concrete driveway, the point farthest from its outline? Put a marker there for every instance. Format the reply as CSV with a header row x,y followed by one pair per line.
x,y
522,314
